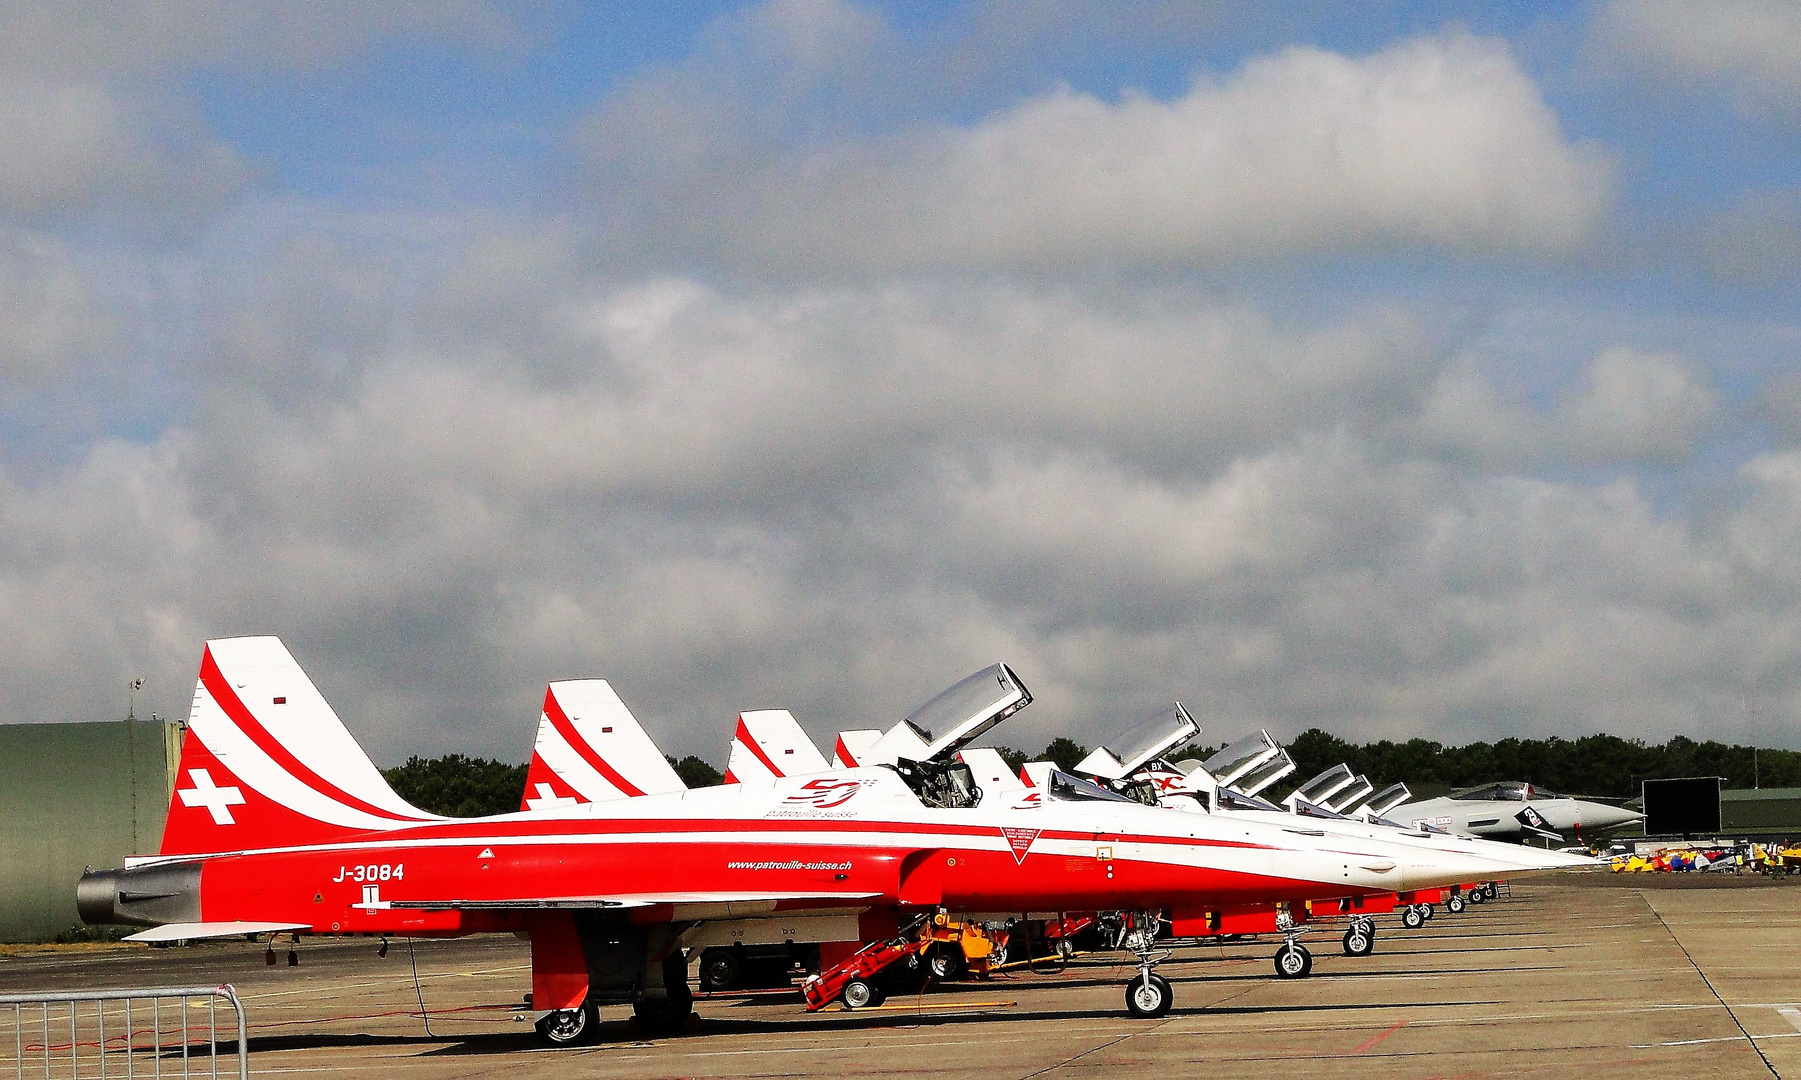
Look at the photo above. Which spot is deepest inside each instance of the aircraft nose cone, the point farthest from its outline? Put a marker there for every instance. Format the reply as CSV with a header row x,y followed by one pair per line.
x,y
1602,816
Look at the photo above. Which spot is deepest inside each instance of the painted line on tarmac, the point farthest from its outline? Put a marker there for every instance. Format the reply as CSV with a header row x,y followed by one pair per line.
x,y
1727,1039
1378,1037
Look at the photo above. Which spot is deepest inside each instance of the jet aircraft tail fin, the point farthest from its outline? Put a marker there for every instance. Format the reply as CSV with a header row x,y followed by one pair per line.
x,y
267,762
768,745
590,748
853,747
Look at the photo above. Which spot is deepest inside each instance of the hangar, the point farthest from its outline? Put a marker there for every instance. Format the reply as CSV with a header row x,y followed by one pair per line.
x,y
74,796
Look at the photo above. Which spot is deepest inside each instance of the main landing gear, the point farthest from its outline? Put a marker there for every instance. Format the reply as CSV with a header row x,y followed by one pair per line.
x,y
1148,995
569,1027
1360,939
1455,904
1414,916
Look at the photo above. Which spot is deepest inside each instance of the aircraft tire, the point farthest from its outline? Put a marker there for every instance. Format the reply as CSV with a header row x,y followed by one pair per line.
x,y
1411,918
1358,942
1293,961
569,1027
1491,890
1427,910
1149,999
1066,949
671,1012
1455,905
1479,894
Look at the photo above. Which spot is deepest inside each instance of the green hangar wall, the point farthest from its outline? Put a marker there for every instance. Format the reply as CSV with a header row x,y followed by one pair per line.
x,y
74,796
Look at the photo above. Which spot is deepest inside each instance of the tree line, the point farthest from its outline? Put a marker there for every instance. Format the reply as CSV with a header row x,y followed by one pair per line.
x,y
1602,765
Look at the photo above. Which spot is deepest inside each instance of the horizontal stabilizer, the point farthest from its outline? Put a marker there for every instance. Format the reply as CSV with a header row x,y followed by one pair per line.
x,y
194,931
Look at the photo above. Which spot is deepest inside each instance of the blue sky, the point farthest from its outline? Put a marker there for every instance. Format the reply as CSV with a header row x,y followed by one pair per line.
x,y
1400,368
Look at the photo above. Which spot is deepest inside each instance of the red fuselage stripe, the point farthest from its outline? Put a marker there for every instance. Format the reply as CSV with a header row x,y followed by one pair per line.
x,y
567,730
756,751
220,688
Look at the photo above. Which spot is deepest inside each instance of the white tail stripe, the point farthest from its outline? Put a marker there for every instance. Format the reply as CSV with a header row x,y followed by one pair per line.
x,y
262,672
247,761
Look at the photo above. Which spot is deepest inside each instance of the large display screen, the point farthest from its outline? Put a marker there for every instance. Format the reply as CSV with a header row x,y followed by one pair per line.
x,y
1682,807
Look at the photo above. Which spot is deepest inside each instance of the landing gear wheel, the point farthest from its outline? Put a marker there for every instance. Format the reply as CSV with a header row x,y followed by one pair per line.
x,y
1066,949
1427,910
663,1014
948,964
569,1027
1478,894
1148,996
1455,905
719,969
862,994
1491,890
1358,942
671,1012
1293,961
1411,917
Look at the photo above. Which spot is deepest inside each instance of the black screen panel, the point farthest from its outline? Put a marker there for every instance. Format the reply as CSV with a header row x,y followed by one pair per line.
x,y
1682,807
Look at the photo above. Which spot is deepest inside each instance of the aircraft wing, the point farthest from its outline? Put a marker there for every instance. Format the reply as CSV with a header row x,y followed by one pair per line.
x,y
708,904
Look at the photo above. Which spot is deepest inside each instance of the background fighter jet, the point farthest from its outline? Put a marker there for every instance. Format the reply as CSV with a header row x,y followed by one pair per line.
x,y
1514,810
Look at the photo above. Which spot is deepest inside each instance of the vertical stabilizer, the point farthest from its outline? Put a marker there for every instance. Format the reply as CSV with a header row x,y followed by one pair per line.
x,y
591,748
769,744
266,761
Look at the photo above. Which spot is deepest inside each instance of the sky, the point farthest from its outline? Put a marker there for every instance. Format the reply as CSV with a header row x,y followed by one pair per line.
x,y
1399,369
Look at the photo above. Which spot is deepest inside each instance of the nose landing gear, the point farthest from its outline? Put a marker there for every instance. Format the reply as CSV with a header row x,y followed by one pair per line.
x,y
1148,995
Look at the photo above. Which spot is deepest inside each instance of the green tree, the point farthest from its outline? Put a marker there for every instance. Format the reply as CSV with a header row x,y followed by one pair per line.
x,y
456,785
696,773
1064,751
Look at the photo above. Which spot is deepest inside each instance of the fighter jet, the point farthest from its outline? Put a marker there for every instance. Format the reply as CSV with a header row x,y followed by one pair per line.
x,y
1514,810
280,823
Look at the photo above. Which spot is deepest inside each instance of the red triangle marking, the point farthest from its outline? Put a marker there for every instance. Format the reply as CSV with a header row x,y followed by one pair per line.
x,y
1020,840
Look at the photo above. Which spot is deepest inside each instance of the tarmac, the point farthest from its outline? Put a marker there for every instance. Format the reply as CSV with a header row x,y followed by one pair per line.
x,y
1592,975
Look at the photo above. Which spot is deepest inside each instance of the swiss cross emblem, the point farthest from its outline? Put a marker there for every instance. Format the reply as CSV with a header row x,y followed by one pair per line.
x,y
1020,840
548,799
218,801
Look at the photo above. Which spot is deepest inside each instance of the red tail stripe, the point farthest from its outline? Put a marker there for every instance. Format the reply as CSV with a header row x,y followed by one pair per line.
x,y
220,688
756,751
843,754
554,711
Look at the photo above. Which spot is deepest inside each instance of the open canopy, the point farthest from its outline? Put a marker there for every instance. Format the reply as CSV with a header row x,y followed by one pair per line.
x,y
965,711
1143,742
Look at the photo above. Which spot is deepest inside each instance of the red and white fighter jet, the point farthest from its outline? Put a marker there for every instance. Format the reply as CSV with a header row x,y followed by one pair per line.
x,y
280,822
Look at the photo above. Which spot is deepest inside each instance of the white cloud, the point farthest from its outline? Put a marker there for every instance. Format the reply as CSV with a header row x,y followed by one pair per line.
x,y
1637,405
837,500
1753,44
1627,406
1440,142
93,110
49,315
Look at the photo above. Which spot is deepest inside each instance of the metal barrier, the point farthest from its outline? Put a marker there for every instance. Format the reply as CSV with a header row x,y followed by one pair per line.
x,y
168,1036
